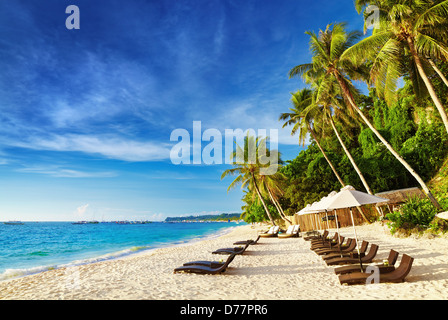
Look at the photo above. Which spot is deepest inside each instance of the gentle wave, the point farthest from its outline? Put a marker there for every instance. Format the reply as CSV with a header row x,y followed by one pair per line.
x,y
16,273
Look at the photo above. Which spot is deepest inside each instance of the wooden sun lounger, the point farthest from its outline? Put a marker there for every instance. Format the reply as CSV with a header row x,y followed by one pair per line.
x,y
393,256
321,239
243,242
330,244
317,237
205,269
272,232
236,250
207,263
347,253
293,231
398,275
349,246
344,260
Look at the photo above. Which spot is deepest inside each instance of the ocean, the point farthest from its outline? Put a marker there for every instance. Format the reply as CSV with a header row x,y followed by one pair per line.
x,y
39,246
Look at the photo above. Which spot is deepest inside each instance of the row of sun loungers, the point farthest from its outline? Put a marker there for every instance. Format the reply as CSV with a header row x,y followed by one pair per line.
x,y
215,267
357,268
352,266
292,231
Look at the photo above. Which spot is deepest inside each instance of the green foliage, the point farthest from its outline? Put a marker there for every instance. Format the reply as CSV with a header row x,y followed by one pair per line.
x,y
402,116
310,178
256,213
416,213
427,149
253,210
417,135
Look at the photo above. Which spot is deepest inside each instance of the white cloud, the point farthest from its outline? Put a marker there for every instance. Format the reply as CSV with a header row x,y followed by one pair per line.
x,y
81,210
58,172
108,146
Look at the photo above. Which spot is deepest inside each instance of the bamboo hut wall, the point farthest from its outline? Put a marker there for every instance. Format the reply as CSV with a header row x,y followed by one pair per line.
x,y
307,222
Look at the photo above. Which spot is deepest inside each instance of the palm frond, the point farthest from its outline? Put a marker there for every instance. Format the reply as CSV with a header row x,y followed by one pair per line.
x,y
366,48
300,70
434,15
430,47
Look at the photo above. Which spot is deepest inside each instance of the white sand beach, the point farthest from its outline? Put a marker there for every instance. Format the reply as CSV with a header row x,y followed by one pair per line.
x,y
273,269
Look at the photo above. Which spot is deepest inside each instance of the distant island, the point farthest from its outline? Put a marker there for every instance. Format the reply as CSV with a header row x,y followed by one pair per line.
x,y
223,217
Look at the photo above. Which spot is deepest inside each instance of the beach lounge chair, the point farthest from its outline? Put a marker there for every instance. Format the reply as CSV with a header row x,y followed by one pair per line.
x,y
349,246
317,237
330,244
348,252
236,250
292,231
322,241
270,230
207,263
393,256
205,269
273,231
243,242
398,275
346,260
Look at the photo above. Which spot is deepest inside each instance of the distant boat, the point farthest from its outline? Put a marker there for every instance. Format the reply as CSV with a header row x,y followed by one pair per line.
x,y
85,222
80,222
15,223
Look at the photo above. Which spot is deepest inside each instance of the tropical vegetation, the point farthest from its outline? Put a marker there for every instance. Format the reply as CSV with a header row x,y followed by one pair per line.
x,y
391,135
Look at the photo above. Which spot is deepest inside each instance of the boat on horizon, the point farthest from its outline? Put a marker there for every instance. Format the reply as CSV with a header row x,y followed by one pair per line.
x,y
14,223
85,222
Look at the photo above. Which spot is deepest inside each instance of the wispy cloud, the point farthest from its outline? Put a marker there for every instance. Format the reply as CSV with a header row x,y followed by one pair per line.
x,y
80,211
111,147
58,172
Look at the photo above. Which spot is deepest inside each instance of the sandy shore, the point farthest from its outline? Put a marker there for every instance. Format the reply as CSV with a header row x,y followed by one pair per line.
x,y
274,269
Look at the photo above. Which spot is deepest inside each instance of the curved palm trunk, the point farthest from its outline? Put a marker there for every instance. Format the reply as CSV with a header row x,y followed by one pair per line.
x,y
262,201
361,176
439,72
278,206
350,99
325,156
428,83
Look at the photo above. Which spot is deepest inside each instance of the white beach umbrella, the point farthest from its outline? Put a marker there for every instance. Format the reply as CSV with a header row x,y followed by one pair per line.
x,y
348,197
442,215
314,209
323,206
307,210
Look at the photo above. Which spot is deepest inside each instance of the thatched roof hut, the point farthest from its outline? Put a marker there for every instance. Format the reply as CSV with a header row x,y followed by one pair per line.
x,y
397,197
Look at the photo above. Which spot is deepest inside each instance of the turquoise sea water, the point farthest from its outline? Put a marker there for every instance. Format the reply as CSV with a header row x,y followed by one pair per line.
x,y
35,247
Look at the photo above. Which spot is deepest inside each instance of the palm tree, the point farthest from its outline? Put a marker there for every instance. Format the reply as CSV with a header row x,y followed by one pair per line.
x,y
302,122
327,49
328,103
271,184
408,35
319,105
436,69
248,171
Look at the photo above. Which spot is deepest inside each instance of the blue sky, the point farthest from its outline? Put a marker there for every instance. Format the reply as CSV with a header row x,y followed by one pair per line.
x,y
86,115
